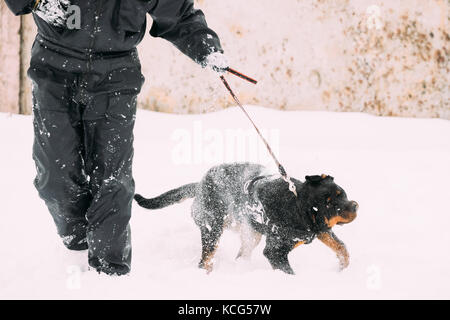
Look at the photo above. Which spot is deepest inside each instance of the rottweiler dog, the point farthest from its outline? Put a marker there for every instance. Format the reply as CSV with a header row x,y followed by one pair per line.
x,y
245,197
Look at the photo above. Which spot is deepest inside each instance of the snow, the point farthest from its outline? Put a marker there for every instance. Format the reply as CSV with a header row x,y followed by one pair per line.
x,y
396,168
54,11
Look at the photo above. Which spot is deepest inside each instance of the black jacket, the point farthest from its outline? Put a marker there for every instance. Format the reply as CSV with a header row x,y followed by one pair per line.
x,y
121,26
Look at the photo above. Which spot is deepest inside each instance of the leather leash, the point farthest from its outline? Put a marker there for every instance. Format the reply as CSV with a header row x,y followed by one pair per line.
x,y
236,99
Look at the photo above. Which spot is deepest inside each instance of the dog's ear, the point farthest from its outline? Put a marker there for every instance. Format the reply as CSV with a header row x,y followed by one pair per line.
x,y
313,179
318,179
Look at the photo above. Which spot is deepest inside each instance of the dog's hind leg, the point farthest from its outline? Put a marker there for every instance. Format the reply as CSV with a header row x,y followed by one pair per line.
x,y
211,224
210,240
249,241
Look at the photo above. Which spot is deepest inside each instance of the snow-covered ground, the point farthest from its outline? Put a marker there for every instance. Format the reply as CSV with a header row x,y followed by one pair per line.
x,y
397,169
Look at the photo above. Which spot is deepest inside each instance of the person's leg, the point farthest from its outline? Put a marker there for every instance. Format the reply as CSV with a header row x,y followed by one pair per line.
x,y
112,87
109,154
57,152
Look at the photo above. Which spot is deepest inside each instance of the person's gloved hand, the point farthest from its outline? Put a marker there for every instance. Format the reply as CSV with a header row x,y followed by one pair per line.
x,y
54,12
217,61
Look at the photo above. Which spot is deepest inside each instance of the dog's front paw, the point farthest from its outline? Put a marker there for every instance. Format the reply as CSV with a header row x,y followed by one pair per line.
x,y
285,268
289,271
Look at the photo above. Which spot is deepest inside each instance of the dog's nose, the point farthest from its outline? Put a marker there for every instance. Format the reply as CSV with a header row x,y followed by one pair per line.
x,y
354,206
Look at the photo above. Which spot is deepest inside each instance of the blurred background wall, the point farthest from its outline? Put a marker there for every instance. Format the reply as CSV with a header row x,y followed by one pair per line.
x,y
385,57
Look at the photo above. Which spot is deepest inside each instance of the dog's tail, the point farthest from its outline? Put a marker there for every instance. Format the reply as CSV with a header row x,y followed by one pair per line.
x,y
170,197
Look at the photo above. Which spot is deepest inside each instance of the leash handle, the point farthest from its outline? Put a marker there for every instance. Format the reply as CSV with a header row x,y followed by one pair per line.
x,y
280,167
240,75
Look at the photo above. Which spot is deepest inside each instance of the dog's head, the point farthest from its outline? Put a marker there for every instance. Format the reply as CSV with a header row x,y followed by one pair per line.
x,y
327,202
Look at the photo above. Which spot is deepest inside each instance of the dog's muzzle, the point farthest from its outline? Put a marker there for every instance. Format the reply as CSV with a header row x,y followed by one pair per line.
x,y
350,214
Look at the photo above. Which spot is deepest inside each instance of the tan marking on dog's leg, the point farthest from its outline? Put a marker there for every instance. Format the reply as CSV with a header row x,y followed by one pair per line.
x,y
208,252
206,262
333,242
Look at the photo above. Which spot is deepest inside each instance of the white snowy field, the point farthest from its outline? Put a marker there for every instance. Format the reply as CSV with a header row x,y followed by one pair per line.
x,y
397,169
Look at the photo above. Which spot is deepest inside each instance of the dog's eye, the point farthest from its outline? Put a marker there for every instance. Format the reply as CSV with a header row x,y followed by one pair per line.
x,y
340,194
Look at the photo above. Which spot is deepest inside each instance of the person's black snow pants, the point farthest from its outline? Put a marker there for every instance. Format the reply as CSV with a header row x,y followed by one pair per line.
x,y
84,114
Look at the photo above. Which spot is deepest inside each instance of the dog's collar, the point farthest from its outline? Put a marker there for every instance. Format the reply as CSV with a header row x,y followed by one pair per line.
x,y
249,185
313,224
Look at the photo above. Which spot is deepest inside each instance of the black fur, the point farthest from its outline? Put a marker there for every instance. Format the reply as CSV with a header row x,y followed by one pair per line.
x,y
260,204
166,199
